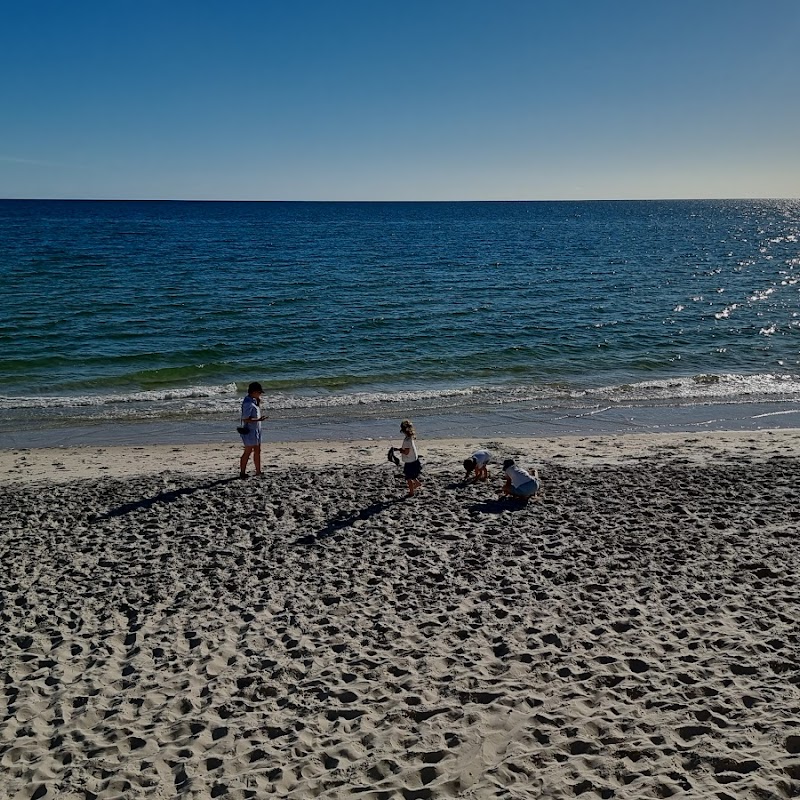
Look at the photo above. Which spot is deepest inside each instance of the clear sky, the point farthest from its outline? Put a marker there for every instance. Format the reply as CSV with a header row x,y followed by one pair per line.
x,y
399,99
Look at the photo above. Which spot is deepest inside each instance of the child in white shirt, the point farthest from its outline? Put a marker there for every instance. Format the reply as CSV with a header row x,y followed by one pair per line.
x,y
520,484
412,466
478,463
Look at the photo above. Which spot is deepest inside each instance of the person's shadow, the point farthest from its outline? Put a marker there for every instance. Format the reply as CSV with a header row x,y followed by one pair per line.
x,y
161,497
499,506
334,526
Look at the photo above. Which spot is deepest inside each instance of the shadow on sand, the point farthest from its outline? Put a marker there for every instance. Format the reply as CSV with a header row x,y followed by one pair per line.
x,y
161,497
334,526
499,506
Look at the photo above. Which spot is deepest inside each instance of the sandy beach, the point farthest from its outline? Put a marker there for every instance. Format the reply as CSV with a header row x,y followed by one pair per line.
x,y
168,630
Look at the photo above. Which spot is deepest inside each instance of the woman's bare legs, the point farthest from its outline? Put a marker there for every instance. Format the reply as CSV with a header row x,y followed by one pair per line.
x,y
256,451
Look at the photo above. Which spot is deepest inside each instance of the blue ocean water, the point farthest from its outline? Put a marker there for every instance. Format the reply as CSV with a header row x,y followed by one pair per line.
x,y
130,311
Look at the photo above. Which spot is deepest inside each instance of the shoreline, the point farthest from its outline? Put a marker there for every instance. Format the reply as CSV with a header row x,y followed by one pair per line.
x,y
523,420
89,462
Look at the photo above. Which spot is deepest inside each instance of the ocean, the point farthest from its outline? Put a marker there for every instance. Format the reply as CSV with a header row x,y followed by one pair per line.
x,y
126,321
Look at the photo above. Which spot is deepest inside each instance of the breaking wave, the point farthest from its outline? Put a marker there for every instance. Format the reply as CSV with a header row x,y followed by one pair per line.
x,y
223,399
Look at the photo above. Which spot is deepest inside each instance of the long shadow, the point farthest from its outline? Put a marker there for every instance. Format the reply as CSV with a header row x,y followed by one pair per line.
x,y
161,497
339,524
464,482
499,506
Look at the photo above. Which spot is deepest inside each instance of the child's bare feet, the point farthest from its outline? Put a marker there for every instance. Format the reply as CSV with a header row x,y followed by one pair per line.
x,y
413,485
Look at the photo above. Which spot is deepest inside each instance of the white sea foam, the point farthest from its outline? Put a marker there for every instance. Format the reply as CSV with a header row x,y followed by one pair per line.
x,y
220,398
225,399
777,413
288,401
119,398
706,387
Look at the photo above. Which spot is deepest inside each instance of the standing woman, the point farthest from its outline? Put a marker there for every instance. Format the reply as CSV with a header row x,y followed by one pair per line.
x,y
251,419
411,463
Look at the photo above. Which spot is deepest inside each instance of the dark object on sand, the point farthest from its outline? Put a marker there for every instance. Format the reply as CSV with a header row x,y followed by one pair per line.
x,y
392,457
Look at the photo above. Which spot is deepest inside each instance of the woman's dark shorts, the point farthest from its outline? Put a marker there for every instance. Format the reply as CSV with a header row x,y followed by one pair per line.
x,y
412,469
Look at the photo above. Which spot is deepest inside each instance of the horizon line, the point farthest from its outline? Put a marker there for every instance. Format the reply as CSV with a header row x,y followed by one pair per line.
x,y
229,200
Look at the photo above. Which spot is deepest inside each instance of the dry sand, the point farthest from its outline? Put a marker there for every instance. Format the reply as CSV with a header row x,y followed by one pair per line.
x,y
167,630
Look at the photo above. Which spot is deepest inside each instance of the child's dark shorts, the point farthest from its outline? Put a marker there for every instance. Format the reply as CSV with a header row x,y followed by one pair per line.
x,y
412,469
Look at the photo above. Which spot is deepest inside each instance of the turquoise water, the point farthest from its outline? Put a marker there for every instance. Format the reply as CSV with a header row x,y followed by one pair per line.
x,y
133,311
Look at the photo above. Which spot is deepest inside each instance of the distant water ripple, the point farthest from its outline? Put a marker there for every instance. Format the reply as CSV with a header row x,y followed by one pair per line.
x,y
153,309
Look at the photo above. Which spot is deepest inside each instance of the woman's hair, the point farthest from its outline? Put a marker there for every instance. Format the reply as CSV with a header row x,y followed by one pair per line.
x,y
469,465
407,426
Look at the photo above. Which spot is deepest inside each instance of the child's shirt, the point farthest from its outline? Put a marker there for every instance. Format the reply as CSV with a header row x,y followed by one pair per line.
x,y
411,455
518,475
481,457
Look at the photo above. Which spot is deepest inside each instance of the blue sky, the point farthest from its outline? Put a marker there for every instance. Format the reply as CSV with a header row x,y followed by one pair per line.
x,y
401,100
